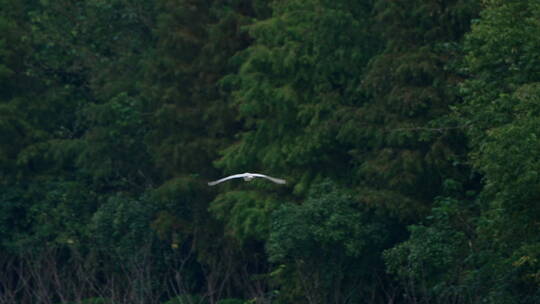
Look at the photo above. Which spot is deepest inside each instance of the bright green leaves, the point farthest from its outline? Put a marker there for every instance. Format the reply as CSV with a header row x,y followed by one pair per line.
x,y
507,155
329,220
432,262
245,213
315,102
503,40
303,64
330,242
502,102
500,53
483,248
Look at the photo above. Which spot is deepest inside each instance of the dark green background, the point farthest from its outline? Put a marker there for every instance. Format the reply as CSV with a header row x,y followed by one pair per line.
x,y
408,133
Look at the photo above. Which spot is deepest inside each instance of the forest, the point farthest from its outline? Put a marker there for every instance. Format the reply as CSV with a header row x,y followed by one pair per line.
x,y
408,133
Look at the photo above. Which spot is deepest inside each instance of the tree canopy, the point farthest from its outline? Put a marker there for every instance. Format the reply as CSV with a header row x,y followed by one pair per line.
x,y
407,132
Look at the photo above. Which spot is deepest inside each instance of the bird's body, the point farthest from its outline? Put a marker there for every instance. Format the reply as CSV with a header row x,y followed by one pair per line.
x,y
248,177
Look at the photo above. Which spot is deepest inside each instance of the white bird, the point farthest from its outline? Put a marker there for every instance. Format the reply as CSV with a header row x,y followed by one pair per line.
x,y
247,177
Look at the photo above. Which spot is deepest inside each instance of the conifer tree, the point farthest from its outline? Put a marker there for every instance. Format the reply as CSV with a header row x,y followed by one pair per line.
x,y
492,253
303,65
402,147
190,122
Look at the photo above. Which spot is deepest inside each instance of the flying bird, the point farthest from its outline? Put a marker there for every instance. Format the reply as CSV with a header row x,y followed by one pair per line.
x,y
247,177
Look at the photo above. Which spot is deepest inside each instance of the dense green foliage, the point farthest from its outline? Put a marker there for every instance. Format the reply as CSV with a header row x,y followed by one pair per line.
x,y
408,133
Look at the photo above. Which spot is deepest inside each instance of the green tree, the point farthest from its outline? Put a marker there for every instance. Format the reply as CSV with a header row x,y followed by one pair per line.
x,y
74,133
327,250
408,147
492,255
190,121
501,107
303,65
402,144
434,264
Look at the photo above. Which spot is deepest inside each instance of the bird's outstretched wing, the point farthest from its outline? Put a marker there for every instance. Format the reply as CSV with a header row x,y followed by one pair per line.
x,y
226,178
275,180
